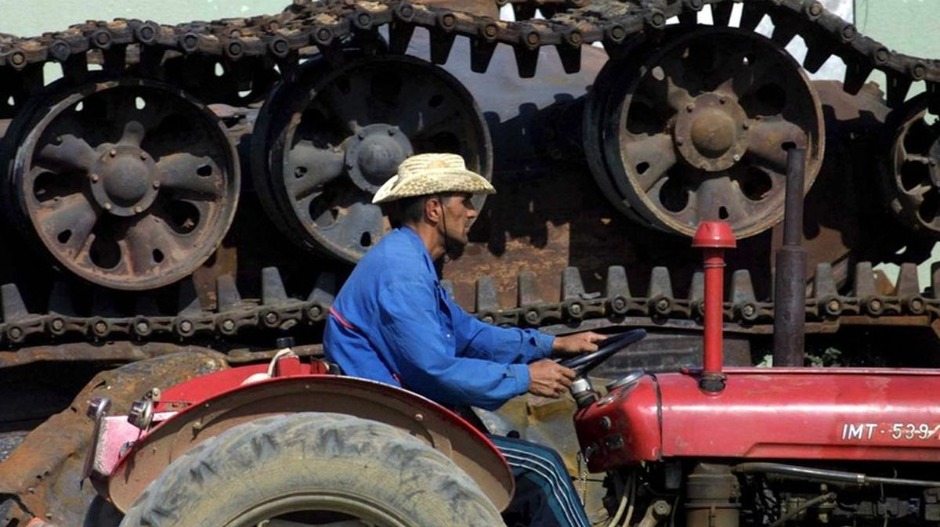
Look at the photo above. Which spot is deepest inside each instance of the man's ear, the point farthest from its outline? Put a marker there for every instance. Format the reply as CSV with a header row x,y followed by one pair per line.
x,y
433,208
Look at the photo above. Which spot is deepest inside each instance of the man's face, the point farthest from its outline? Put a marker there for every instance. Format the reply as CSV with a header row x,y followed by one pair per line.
x,y
459,212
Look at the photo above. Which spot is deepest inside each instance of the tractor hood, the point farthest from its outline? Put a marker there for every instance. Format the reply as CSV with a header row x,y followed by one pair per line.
x,y
785,414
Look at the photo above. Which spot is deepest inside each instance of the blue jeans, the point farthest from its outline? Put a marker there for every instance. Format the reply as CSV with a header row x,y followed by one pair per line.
x,y
544,494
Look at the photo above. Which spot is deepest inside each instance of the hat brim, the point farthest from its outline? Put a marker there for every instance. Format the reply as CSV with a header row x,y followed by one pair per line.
x,y
433,181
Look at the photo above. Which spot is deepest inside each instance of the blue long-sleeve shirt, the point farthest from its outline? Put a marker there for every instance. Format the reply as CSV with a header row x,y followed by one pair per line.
x,y
393,322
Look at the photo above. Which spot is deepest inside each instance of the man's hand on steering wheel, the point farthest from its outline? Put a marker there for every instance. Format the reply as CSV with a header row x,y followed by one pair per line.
x,y
583,342
549,379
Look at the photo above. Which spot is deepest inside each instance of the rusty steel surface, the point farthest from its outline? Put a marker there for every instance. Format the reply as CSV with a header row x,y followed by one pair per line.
x,y
332,139
914,185
369,400
697,131
548,250
128,183
529,78
43,473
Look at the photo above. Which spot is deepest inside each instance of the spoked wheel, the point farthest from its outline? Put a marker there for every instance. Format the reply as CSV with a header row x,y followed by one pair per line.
x,y
335,136
914,178
699,130
127,184
313,469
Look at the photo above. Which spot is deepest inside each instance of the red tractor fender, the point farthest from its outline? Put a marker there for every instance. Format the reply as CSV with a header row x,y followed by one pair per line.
x,y
234,403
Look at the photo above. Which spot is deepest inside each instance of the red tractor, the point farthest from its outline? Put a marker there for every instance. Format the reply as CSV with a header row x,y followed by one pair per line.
x,y
289,444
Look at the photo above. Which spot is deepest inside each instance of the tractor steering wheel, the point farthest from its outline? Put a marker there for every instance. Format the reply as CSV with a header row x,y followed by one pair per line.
x,y
582,364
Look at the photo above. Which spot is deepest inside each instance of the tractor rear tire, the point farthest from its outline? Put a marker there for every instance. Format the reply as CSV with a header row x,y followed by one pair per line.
x,y
312,469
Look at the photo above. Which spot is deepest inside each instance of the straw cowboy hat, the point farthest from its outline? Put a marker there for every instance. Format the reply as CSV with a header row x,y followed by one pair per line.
x,y
426,174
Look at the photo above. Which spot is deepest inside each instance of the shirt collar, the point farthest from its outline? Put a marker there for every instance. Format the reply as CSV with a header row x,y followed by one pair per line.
x,y
418,244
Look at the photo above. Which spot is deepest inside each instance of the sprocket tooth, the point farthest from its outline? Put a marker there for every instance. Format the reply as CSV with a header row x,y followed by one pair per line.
x,y
660,282
857,71
908,285
935,280
721,13
11,301
570,57
527,61
115,59
399,37
75,68
571,284
187,299
60,299
817,53
826,291
908,289
481,53
617,284
751,15
864,280
226,292
783,34
528,290
697,294
660,291
448,288
523,11
688,18
321,298
742,295
866,291
272,287
151,61
824,282
441,44
898,87
487,298
933,97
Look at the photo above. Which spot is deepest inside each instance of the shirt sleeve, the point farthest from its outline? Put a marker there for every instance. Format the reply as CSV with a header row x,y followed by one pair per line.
x,y
425,360
504,345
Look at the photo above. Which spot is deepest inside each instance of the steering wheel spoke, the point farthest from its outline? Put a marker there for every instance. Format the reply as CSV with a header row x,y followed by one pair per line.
x,y
582,364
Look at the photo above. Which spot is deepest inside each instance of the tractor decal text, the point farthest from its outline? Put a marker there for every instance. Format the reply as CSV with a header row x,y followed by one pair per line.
x,y
891,431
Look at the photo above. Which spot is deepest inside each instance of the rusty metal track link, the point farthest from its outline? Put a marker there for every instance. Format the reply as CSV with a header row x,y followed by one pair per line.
x,y
616,305
324,26
613,23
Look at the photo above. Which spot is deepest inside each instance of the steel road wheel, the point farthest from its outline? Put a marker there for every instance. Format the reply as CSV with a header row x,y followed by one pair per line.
x,y
127,184
914,178
699,130
334,137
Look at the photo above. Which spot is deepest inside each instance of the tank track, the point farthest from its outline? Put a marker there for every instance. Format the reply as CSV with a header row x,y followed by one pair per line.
x,y
869,302
306,27
612,23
